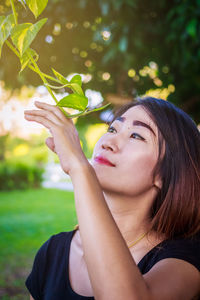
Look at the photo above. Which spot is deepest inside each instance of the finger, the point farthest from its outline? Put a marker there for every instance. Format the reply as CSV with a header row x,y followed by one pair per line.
x,y
53,108
50,143
47,123
47,114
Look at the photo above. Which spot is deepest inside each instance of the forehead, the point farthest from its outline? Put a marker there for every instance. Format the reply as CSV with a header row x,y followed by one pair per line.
x,y
140,114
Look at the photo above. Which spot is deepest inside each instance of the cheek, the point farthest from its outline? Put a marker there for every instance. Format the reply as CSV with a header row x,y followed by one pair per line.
x,y
97,148
140,163
137,172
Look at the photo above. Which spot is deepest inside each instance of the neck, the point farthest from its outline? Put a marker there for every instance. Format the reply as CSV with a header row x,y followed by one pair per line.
x,y
131,214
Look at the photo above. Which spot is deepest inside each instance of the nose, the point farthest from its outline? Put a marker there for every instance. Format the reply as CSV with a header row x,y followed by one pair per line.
x,y
110,145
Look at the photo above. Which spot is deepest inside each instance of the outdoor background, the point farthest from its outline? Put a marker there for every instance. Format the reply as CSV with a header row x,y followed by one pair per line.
x,y
122,49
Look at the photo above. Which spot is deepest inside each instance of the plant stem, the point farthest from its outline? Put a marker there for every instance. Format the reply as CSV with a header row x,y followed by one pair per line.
x,y
50,77
42,77
30,67
37,70
14,11
12,48
35,67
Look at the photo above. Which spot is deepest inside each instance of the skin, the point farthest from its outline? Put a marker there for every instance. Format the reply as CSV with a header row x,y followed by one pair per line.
x,y
113,204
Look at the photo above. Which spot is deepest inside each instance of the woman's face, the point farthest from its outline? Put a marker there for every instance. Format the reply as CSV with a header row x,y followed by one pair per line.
x,y
131,147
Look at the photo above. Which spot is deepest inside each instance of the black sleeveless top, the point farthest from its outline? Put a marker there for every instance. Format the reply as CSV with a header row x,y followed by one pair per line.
x,y
49,278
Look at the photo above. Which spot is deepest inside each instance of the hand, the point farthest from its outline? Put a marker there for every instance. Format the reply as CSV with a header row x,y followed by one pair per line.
x,y
65,140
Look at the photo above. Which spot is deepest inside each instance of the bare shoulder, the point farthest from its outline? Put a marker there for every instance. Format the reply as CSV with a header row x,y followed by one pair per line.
x,y
31,298
173,279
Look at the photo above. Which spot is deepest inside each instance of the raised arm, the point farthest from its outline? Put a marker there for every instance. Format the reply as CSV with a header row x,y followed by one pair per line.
x,y
112,270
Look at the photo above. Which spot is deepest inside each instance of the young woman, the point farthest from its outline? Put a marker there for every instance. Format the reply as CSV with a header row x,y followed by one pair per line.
x,y
138,209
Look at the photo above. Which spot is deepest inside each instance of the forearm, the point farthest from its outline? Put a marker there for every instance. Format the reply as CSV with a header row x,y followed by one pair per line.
x,y
112,270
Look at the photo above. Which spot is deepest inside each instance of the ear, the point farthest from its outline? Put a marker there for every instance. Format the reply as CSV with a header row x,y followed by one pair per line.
x,y
158,182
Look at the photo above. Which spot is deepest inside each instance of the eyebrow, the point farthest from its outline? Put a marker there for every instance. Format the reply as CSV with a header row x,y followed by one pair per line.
x,y
136,123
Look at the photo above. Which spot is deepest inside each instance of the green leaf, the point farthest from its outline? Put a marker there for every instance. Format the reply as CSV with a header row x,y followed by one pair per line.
x,y
76,79
76,88
74,84
22,35
18,36
74,101
25,59
6,24
60,77
2,18
37,6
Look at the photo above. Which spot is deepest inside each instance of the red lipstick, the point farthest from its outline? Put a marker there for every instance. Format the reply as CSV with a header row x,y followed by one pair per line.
x,y
103,160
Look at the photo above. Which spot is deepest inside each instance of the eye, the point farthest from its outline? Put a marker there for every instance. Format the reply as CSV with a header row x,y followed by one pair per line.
x,y
137,136
111,129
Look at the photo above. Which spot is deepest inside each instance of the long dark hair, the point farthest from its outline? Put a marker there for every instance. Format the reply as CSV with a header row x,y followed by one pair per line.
x,y
176,209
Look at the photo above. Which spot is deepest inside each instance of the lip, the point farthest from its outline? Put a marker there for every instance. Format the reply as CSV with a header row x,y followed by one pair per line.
x,y
104,161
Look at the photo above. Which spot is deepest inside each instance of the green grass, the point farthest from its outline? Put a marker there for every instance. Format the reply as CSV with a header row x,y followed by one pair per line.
x,y
27,219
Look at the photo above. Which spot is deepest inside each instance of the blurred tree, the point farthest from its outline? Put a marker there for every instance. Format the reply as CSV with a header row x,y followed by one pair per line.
x,y
125,47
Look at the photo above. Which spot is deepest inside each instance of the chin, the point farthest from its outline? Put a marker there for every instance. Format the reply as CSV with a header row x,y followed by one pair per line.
x,y
107,184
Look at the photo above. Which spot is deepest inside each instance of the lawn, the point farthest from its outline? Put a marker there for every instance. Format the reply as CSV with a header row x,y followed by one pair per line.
x,y
27,219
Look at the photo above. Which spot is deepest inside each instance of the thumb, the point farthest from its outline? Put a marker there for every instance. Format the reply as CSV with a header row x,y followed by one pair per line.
x,y
50,144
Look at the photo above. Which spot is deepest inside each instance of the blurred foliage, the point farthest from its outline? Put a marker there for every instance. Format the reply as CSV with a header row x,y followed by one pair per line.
x,y
92,135
32,150
22,162
3,141
18,175
107,39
